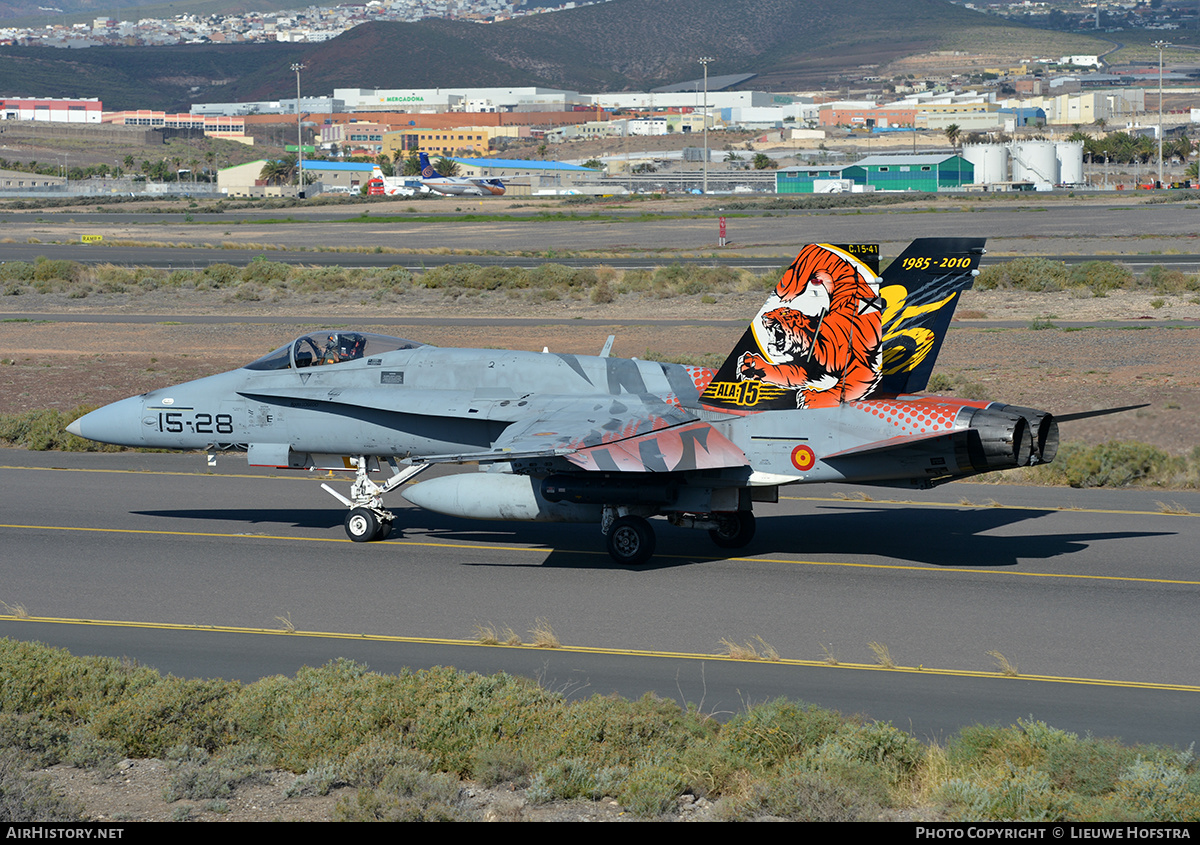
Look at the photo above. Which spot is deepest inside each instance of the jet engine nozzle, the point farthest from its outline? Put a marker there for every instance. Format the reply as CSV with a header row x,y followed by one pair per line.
x,y
1003,440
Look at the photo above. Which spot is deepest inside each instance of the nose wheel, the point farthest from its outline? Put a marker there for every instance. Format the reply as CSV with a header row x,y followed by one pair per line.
x,y
368,519
364,525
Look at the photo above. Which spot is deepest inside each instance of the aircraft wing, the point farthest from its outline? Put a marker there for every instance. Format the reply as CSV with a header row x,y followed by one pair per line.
x,y
612,434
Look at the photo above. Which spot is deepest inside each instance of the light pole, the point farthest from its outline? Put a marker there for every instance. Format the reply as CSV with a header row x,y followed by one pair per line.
x,y
297,67
1159,45
704,60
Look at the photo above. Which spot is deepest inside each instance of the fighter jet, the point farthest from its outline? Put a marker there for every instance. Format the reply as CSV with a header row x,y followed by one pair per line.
x,y
826,385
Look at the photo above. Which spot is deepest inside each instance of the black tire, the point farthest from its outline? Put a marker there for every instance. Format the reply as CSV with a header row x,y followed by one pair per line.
x,y
736,531
385,530
631,541
362,525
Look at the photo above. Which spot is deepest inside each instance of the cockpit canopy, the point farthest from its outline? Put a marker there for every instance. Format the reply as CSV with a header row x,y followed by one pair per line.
x,y
329,347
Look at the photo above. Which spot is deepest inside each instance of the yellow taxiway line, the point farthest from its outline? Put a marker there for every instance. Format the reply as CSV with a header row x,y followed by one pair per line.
x,y
614,652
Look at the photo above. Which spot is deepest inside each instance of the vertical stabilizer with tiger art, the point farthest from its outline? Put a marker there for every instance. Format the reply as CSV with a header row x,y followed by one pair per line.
x,y
835,331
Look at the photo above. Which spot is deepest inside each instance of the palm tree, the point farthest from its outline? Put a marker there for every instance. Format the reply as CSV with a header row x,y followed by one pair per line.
x,y
412,164
446,167
280,171
952,133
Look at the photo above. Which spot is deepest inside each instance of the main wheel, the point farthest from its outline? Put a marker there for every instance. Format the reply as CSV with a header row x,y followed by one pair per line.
x,y
362,525
631,541
735,531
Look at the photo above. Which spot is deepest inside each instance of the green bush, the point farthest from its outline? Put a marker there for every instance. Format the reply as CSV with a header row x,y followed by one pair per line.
x,y
1017,793
44,742
16,271
1165,280
770,733
1114,464
37,679
57,269
174,711
1100,277
1032,274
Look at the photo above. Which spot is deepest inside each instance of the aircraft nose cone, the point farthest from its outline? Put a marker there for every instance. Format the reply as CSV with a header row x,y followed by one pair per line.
x,y
118,423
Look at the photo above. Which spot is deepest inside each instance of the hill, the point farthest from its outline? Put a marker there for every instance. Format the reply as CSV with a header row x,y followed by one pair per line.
x,y
622,44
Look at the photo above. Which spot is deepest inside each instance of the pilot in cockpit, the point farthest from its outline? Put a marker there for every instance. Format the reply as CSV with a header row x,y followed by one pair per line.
x,y
343,346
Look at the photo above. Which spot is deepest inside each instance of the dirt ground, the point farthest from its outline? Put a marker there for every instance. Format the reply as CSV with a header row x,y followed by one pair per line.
x,y
135,793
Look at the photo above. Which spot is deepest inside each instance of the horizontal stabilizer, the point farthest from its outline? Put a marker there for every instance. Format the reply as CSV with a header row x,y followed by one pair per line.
x,y
1087,415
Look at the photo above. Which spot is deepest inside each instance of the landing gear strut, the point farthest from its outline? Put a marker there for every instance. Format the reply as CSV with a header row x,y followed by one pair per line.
x,y
734,530
368,518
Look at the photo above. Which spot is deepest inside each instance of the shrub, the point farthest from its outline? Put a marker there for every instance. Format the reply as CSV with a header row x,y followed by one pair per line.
x,y
25,798
407,795
1160,790
218,276
1032,274
649,790
1014,794
1113,464
264,272
174,711
1101,276
43,742
769,733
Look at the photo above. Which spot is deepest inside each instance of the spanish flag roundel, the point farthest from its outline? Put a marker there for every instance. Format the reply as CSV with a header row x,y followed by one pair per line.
x,y
803,458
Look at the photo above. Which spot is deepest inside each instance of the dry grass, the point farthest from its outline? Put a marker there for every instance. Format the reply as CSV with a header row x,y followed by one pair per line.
x,y
856,496
882,656
1006,667
1173,508
285,622
935,769
830,657
762,651
17,610
544,636
490,634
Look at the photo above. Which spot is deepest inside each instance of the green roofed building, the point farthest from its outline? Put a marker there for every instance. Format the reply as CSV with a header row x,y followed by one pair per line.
x,y
814,179
937,172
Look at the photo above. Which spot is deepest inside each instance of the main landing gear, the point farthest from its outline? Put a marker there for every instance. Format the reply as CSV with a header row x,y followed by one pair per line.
x,y
368,518
630,536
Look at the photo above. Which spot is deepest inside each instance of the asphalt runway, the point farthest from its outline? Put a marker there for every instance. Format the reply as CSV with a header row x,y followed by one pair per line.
x,y
1091,593
1028,226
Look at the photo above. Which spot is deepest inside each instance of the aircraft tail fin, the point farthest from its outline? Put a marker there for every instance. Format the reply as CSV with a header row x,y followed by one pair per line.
x,y
427,171
834,331
922,287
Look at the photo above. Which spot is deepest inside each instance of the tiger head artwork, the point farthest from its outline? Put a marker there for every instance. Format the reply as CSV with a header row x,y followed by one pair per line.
x,y
820,333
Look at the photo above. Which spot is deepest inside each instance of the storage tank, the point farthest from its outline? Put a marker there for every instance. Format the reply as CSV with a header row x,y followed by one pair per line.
x,y
1036,162
990,160
1070,162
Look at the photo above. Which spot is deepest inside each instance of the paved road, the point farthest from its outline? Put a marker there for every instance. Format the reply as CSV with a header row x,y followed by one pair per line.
x,y
1017,228
1106,592
174,258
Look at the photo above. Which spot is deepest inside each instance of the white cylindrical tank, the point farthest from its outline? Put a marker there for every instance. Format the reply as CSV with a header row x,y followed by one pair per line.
x,y
1037,162
1070,162
990,160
